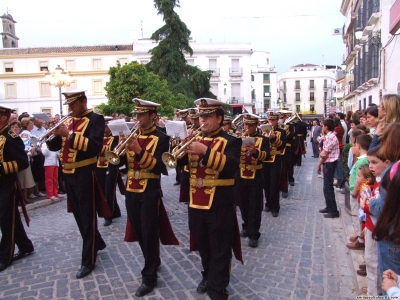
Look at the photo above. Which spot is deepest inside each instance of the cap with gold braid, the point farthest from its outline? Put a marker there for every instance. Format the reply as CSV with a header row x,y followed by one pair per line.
x,y
249,118
183,113
207,105
274,115
142,106
227,120
5,109
72,96
193,113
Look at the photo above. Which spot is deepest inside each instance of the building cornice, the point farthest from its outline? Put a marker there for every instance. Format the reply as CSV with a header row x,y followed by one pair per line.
x,y
74,54
42,74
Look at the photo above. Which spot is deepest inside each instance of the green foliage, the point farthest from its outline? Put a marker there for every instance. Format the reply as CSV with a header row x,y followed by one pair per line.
x,y
168,57
134,81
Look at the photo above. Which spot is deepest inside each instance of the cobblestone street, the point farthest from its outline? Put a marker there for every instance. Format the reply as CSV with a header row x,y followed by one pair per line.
x,y
300,255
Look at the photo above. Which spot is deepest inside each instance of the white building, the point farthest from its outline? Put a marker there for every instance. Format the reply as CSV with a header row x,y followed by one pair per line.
x,y
241,77
308,89
22,75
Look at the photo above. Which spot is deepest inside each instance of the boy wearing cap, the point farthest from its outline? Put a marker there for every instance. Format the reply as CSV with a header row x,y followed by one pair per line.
x,y
272,166
284,180
148,221
213,160
249,181
80,142
12,160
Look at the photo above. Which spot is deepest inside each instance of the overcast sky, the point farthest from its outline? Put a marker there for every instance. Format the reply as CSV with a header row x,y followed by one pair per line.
x,y
293,31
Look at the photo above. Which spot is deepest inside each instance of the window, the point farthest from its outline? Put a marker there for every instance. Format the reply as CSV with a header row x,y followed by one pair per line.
x,y
297,84
8,67
267,61
359,104
266,88
325,83
10,90
46,110
297,108
325,95
365,102
97,86
284,97
96,63
312,107
44,65
123,60
311,84
70,65
266,77
311,96
45,90
369,99
73,86
284,85
297,96
252,77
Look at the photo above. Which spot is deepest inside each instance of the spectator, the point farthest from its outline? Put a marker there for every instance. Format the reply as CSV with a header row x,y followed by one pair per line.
x,y
391,284
388,112
339,174
23,115
13,118
51,172
348,124
115,116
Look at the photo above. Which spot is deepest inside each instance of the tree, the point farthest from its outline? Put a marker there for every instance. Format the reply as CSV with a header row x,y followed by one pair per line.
x,y
168,57
134,81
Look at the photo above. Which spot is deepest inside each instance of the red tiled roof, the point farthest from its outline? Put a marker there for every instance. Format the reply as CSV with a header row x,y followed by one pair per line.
x,y
71,49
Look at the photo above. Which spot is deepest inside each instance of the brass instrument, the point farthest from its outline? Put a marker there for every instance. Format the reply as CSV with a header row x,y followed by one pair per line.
x,y
238,122
48,136
171,159
293,119
113,157
266,129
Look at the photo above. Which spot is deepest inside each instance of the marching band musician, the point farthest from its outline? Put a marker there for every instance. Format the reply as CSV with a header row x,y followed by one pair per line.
x,y
249,180
272,166
301,134
213,161
108,174
147,219
227,124
12,160
289,128
292,159
80,142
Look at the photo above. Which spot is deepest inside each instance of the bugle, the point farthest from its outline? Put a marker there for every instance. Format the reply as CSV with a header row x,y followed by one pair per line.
x,y
113,156
48,134
171,159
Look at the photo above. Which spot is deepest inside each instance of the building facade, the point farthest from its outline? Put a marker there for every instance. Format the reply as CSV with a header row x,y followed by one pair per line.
x,y
308,89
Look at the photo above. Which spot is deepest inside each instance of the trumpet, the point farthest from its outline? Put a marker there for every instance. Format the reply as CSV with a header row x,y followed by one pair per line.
x,y
113,157
266,129
48,136
171,159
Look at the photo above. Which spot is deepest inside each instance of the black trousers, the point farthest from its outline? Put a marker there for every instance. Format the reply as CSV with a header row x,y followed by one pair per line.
x,y
284,178
110,191
292,162
272,172
81,197
12,230
213,232
143,212
251,204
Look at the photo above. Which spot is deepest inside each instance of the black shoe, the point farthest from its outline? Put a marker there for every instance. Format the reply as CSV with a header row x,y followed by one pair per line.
x,y
21,254
266,208
253,243
284,194
144,289
291,183
323,211
275,214
177,183
101,245
107,222
3,267
331,216
243,233
202,287
84,271
299,165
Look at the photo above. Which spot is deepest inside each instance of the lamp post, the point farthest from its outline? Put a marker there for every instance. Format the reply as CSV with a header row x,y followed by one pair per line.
x,y
59,79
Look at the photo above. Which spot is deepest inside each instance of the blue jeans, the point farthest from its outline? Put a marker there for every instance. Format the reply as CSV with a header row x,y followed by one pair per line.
x,y
329,192
388,257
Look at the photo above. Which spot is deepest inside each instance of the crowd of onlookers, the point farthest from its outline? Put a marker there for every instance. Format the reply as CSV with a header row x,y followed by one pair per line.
x,y
369,145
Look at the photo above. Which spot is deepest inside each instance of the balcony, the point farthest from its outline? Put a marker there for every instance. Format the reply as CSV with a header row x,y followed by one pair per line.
x,y
215,72
297,99
311,87
235,72
327,86
236,100
311,99
297,88
282,89
267,95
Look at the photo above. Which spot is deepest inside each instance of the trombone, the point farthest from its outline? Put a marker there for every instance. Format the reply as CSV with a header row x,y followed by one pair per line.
x,y
113,157
171,159
48,135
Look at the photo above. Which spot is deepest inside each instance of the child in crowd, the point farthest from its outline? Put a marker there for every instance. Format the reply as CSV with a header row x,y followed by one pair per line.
x,y
51,172
391,284
369,186
353,152
362,144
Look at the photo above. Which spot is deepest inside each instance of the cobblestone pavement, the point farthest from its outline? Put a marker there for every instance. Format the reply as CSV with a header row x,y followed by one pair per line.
x,y
300,255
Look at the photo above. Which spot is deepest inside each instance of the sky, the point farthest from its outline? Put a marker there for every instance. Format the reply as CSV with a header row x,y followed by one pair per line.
x,y
293,31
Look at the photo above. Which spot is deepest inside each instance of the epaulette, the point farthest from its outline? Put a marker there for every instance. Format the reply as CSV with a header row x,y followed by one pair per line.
x,y
13,134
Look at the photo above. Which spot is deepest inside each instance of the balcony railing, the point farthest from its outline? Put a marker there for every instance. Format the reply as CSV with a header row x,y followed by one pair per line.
x,y
236,100
297,88
297,99
235,72
282,89
327,86
311,99
215,72
311,87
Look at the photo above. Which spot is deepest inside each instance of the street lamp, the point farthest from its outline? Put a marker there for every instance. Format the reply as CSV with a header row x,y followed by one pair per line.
x,y
358,33
59,79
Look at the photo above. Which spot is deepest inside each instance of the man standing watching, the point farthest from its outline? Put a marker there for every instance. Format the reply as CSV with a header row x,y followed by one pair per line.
x,y
315,133
80,142
327,163
213,161
12,160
